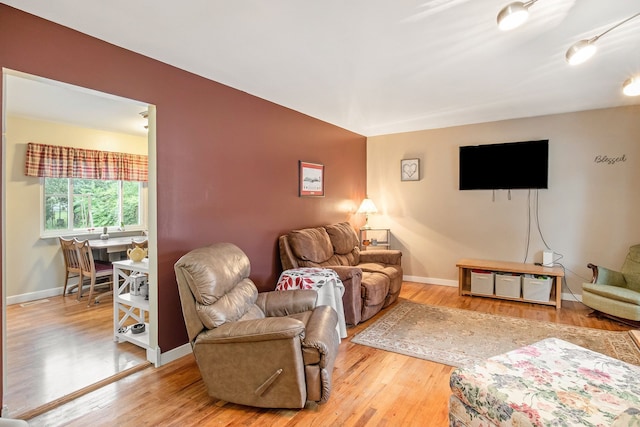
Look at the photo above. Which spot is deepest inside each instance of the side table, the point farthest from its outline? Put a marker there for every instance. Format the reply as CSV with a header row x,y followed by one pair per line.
x,y
126,300
375,238
325,282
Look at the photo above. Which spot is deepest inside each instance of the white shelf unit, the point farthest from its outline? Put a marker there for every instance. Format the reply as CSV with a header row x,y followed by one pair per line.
x,y
126,305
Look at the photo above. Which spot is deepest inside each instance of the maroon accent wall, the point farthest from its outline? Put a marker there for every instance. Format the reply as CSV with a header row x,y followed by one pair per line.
x,y
227,161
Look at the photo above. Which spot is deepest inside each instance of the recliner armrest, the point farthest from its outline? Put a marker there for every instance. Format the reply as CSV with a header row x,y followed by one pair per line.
x,y
383,256
284,303
321,333
267,329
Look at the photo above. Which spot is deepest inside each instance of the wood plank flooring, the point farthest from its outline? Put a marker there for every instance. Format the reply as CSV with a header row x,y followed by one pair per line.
x,y
370,387
58,345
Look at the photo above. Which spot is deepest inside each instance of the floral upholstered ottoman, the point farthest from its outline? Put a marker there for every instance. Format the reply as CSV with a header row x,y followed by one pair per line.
x,y
549,383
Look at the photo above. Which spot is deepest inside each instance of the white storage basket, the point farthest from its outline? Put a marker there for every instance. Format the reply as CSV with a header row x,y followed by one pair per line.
x,y
508,285
482,283
536,288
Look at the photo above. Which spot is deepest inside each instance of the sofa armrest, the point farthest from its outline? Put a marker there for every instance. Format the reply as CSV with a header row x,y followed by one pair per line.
x,y
267,329
351,278
382,256
284,303
345,272
605,276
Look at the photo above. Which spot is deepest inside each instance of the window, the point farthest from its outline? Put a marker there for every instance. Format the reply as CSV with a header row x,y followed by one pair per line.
x,y
77,204
86,190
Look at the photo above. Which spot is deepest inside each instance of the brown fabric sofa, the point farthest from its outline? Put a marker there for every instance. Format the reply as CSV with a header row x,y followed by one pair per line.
x,y
270,349
372,279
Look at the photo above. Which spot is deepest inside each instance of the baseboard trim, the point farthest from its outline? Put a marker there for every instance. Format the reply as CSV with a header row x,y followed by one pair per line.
x,y
571,297
174,354
32,296
454,283
431,281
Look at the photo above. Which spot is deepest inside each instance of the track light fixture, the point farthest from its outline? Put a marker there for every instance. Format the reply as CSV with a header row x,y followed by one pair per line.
x,y
631,86
514,14
145,115
585,49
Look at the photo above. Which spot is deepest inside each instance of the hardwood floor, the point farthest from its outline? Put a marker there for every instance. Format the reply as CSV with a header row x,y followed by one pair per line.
x,y
58,345
370,386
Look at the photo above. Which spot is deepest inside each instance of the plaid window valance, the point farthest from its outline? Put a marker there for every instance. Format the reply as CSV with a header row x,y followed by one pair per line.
x,y
54,161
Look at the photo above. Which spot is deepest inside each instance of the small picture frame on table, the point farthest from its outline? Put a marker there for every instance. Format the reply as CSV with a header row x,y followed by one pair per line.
x,y
311,179
410,170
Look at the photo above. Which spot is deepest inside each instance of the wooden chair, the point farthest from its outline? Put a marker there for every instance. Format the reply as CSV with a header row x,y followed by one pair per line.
x,y
92,269
71,262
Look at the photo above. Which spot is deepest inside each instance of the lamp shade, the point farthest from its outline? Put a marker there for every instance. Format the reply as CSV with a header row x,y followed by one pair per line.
x,y
367,206
631,86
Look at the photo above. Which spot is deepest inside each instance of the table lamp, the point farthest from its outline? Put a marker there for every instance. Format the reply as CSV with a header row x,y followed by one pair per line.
x,y
367,207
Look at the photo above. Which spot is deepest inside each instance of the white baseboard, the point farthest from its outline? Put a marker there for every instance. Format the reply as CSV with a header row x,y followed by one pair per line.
x,y
32,296
431,281
571,297
454,283
174,354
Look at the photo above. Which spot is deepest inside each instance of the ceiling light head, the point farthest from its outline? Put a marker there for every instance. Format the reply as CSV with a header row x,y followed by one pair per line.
x,y
513,15
631,86
145,115
581,51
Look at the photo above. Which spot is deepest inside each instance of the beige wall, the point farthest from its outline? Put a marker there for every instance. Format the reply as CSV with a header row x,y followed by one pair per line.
x,y
588,214
34,266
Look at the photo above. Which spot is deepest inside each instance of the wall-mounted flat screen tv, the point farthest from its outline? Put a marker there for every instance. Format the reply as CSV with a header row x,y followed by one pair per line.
x,y
513,165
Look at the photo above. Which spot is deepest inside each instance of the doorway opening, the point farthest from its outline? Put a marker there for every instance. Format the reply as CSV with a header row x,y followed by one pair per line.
x,y
41,110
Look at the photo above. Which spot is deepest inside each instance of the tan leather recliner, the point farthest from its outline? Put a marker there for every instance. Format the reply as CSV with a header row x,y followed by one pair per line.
x,y
271,349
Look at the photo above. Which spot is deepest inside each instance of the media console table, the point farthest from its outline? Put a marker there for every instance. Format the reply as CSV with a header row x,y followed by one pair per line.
x,y
466,265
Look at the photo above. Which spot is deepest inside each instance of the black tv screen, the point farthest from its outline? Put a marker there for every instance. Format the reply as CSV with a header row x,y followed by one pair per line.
x,y
513,165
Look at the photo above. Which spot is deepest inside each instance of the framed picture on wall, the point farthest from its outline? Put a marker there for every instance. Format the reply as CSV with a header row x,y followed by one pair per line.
x,y
410,170
311,179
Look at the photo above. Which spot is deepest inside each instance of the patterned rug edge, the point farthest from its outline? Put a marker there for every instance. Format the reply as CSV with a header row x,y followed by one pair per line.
x,y
631,338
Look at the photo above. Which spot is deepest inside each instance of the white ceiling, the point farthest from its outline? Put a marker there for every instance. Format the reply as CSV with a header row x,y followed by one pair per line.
x,y
39,98
378,66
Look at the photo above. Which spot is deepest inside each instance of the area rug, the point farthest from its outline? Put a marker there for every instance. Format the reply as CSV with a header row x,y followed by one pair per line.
x,y
458,337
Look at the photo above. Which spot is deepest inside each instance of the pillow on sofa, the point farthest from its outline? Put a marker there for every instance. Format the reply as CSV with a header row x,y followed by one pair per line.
x,y
343,237
311,244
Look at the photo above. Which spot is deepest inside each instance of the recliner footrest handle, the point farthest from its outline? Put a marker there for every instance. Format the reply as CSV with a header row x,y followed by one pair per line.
x,y
265,385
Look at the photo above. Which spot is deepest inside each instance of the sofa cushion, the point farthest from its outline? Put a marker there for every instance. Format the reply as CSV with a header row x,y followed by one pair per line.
x,y
348,260
613,292
391,271
311,244
343,237
375,287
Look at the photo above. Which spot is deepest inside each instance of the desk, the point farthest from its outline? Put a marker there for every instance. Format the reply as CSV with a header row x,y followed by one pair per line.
x,y
325,282
113,248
